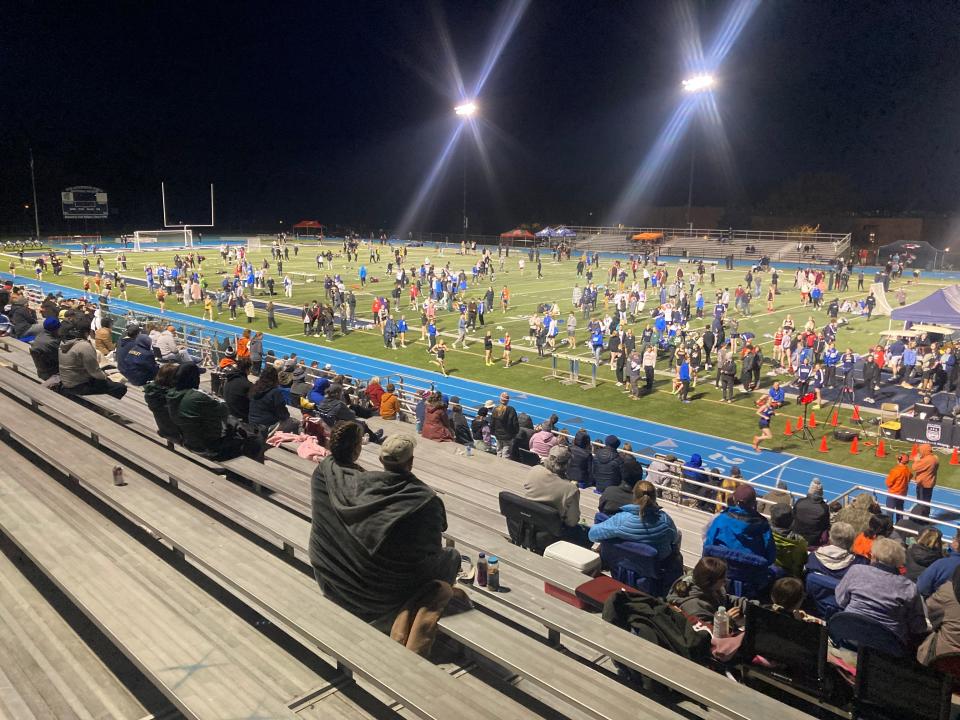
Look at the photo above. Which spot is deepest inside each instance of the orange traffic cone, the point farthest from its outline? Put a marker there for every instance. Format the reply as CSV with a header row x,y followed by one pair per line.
x,y
954,460
914,451
799,424
786,429
855,445
881,449
823,444
833,419
856,414
812,422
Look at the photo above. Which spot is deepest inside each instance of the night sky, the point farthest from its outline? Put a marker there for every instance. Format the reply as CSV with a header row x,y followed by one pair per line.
x,y
336,111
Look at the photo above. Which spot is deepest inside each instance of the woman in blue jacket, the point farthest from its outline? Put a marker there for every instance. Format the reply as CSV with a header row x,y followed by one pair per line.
x,y
641,522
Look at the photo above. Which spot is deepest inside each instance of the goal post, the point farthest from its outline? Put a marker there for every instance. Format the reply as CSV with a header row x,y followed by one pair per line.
x,y
141,237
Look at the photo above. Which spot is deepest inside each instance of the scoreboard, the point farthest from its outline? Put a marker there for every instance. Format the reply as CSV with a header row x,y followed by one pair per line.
x,y
84,202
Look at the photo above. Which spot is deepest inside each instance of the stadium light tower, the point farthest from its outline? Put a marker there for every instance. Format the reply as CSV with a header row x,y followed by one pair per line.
x,y
465,111
693,85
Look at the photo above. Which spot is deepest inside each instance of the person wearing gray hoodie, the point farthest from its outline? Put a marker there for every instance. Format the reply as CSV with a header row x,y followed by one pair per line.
x,y
80,374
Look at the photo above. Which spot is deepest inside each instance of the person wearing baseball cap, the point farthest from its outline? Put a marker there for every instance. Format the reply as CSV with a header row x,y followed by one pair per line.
x,y
742,528
376,536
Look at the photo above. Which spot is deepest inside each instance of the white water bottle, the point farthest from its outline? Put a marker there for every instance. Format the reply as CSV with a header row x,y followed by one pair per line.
x,y
721,623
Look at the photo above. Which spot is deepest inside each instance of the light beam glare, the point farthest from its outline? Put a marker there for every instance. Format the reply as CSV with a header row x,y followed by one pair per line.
x,y
502,32
427,186
484,154
733,25
446,44
647,176
718,145
691,48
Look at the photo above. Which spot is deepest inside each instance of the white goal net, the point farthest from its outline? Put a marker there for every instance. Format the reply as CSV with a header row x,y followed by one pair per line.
x,y
175,235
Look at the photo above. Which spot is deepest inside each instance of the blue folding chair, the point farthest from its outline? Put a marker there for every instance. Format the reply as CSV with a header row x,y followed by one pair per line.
x,y
748,575
821,589
636,565
853,631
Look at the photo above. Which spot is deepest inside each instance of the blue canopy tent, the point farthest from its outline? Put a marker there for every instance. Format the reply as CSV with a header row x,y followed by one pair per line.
x,y
940,308
545,233
563,232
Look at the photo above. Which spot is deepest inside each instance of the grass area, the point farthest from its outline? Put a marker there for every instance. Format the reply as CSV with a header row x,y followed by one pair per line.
x,y
705,414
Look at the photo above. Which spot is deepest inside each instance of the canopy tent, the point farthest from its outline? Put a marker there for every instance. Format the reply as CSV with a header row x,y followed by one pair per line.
x,y
517,234
308,227
648,237
913,253
563,232
545,233
942,307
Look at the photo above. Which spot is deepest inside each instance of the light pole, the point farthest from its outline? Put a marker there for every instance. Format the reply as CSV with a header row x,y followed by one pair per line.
x,y
36,211
465,111
693,85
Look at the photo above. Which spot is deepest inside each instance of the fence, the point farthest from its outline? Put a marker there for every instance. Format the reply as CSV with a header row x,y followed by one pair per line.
x,y
206,345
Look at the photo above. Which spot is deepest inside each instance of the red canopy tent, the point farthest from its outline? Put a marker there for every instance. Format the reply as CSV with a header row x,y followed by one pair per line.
x,y
518,234
314,227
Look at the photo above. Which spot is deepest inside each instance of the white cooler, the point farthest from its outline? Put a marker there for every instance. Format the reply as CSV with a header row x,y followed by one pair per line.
x,y
579,558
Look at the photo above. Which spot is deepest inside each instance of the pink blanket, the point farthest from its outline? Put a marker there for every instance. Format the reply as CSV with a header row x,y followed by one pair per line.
x,y
307,447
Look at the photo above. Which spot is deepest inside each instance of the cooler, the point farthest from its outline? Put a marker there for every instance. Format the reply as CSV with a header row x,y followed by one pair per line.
x,y
581,559
890,429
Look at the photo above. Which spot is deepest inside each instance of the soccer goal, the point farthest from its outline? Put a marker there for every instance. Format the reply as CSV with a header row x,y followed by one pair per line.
x,y
152,237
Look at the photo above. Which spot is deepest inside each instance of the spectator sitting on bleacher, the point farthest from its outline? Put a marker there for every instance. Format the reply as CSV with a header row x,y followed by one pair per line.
x,y
943,609
941,570
811,516
300,387
436,421
580,467
44,351
542,441
607,464
924,552
202,420
521,441
879,592
80,373
461,428
545,484
103,339
229,356
6,327
836,558
155,393
858,512
374,392
390,404
333,410
504,425
236,389
135,359
320,386
791,547
268,407
740,527
21,315
376,537
699,593
616,496
170,351
787,596
641,521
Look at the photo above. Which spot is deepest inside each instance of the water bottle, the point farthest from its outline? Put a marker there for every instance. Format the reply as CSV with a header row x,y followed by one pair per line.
x,y
493,573
118,475
469,450
721,623
482,570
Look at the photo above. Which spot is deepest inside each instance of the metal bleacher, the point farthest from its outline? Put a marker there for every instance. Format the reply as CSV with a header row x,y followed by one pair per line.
x,y
196,573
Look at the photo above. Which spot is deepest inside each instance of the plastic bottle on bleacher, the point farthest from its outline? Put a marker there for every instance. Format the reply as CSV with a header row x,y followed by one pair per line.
x,y
482,570
721,623
493,573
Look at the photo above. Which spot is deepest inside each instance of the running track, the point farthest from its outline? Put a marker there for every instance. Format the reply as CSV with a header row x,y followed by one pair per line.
x,y
767,467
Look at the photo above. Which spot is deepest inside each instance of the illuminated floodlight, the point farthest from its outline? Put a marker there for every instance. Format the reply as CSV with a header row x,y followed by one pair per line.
x,y
466,110
698,83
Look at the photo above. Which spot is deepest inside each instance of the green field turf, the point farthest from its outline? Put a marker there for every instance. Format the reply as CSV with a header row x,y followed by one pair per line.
x,y
705,414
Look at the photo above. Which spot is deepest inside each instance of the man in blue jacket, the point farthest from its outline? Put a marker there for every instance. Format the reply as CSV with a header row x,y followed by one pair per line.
x,y
135,359
940,571
742,528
